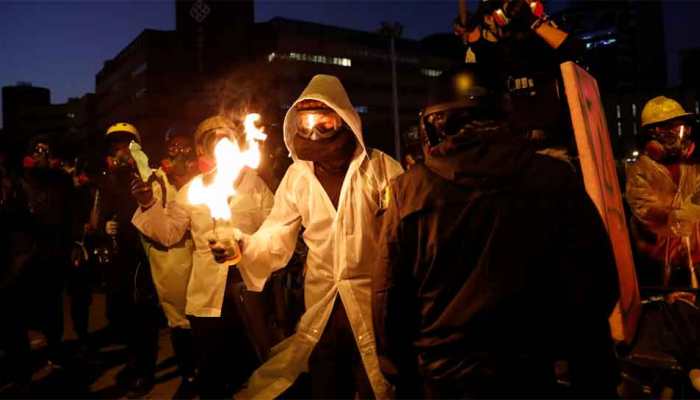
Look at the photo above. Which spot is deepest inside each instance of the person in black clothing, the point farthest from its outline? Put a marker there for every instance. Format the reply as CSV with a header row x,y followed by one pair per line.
x,y
47,193
15,252
524,49
132,305
495,265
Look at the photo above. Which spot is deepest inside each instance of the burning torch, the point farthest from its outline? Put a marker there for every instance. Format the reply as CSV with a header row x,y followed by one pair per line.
x,y
216,189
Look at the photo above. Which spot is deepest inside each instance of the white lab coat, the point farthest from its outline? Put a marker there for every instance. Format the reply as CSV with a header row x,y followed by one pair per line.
x,y
171,265
250,206
342,245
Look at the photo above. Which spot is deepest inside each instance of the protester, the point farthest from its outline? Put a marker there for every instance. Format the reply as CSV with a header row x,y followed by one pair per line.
x,y
47,194
171,266
663,188
334,189
131,300
226,355
15,253
494,265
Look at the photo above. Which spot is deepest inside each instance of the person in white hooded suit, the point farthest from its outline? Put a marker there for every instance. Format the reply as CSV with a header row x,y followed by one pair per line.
x,y
336,190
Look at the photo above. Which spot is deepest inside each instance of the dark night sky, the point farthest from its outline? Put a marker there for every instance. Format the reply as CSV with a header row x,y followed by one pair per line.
x,y
62,45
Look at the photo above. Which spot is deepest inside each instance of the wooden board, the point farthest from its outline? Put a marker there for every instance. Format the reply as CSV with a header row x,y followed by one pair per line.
x,y
600,179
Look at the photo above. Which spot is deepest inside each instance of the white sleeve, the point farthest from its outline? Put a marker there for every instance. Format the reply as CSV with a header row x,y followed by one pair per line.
x,y
164,225
272,246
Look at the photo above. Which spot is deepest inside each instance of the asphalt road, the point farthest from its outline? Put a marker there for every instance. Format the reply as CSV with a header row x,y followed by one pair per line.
x,y
91,374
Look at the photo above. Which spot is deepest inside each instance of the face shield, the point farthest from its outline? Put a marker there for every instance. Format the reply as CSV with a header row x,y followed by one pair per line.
x,y
675,139
318,124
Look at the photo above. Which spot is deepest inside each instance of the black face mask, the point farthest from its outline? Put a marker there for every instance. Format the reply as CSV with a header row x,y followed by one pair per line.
x,y
332,152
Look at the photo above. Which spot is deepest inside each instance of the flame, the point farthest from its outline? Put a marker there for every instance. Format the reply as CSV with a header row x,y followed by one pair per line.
x,y
230,161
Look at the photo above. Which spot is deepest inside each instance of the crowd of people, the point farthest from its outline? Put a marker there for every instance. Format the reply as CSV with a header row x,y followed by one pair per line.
x,y
483,270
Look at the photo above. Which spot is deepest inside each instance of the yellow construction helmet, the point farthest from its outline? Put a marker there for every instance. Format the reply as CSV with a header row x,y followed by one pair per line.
x,y
662,109
124,127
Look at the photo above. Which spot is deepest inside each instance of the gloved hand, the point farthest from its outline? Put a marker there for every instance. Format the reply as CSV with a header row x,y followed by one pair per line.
x,y
112,228
519,13
224,245
142,192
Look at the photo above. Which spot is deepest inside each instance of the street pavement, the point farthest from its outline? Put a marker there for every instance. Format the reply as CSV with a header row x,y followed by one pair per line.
x,y
91,374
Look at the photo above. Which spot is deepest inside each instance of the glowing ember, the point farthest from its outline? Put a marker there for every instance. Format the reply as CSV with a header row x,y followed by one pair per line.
x,y
230,161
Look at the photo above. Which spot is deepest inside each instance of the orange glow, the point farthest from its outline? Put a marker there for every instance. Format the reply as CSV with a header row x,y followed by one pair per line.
x,y
230,161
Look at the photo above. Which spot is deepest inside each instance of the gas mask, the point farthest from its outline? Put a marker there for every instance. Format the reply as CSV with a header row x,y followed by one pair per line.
x,y
445,131
181,158
119,159
670,143
318,124
40,157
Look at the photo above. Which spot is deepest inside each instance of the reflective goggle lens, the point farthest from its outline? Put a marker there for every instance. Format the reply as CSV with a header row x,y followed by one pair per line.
x,y
323,123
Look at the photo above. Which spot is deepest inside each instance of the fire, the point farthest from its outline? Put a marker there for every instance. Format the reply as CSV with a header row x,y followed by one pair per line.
x,y
230,161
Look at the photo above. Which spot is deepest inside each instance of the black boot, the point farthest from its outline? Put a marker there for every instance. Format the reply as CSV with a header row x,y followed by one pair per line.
x,y
184,355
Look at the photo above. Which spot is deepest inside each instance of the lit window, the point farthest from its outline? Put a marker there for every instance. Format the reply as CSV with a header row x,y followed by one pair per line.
x,y
314,58
431,72
619,111
361,109
634,110
271,57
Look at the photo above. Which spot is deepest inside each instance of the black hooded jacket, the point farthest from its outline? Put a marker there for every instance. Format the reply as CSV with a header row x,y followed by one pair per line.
x,y
495,265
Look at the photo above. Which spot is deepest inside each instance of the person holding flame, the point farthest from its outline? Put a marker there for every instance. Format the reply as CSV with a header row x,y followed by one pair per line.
x,y
225,353
171,266
335,189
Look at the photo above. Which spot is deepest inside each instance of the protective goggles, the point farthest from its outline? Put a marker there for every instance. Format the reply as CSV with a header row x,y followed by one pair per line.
x,y
318,124
672,133
440,124
175,149
41,150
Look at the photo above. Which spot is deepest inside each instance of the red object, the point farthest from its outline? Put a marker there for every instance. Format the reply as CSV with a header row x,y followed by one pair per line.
x,y
166,164
205,164
28,162
83,179
690,151
500,17
537,8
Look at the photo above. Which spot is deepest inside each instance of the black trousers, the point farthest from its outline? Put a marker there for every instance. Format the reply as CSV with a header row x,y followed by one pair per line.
x,y
133,313
79,290
14,337
225,354
336,367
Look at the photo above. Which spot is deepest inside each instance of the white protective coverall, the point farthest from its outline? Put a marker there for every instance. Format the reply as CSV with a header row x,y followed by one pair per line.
x,y
170,266
250,206
651,189
342,245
